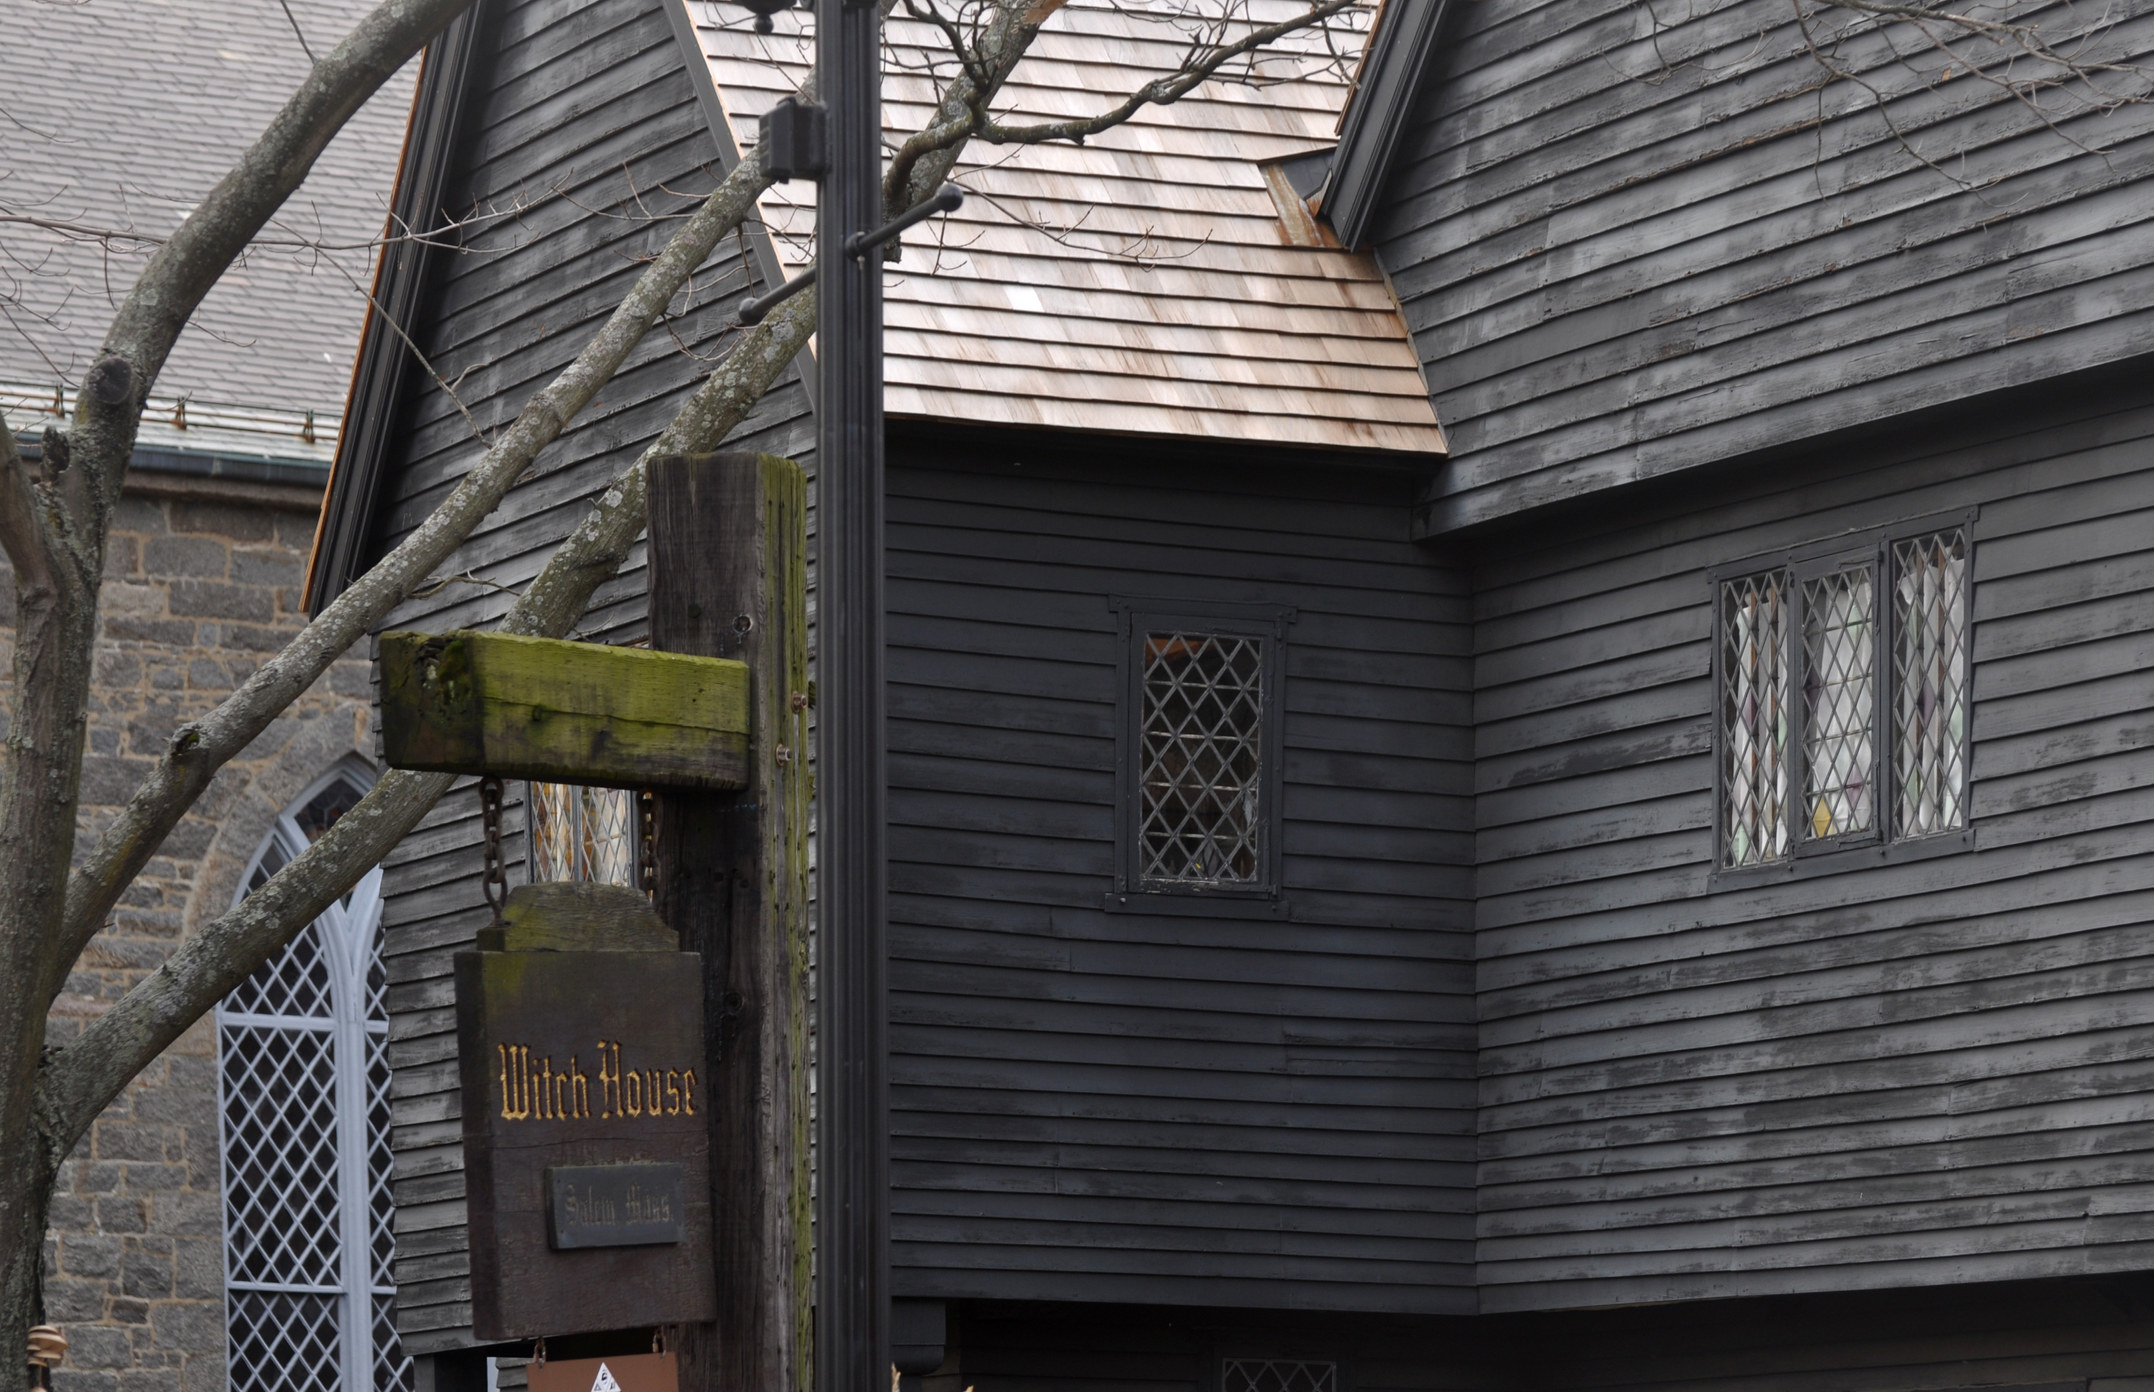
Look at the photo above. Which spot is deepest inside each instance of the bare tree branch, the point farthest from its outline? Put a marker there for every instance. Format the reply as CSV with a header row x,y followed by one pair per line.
x,y
172,286
22,535
974,121
82,1078
199,749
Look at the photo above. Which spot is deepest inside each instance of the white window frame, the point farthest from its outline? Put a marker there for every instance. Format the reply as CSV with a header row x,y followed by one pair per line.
x,y
349,934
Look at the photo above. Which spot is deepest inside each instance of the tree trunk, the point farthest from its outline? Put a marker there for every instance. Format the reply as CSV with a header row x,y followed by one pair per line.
x,y
25,1196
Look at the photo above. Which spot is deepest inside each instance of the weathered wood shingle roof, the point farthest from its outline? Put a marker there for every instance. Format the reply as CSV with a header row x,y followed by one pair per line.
x,y
1142,283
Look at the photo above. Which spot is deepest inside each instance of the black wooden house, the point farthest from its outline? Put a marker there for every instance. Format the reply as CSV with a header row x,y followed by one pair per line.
x,y
1651,890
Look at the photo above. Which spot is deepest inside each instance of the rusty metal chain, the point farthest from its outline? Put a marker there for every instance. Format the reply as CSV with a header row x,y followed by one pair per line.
x,y
647,840
495,885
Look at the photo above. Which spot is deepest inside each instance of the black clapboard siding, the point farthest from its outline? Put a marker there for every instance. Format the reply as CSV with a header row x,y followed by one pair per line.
x,y
1924,1071
1629,246
579,108
1260,1110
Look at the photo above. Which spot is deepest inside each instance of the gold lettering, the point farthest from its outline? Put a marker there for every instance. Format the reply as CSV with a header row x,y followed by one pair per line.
x,y
688,1091
579,1090
673,1092
608,1102
654,1092
632,1091
508,1100
545,1089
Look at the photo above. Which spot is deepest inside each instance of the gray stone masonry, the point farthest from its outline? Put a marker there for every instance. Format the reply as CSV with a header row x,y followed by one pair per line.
x,y
199,587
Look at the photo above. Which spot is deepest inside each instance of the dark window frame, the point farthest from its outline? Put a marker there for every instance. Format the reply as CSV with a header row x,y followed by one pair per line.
x,y
1277,1351
1135,618
1876,845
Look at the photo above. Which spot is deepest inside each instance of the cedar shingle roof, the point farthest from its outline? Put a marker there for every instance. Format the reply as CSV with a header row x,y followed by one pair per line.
x,y
1142,283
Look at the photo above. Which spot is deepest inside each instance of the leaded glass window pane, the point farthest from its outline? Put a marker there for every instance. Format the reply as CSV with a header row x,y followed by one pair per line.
x,y
1839,634
1277,1375
1929,661
587,834
1754,718
1200,819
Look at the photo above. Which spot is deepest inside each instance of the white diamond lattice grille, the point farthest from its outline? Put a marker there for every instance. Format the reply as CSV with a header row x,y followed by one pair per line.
x,y
1277,1375
382,1211
1200,820
1754,718
1929,662
1839,731
590,834
294,982
304,1101
289,1342
280,1154
392,1370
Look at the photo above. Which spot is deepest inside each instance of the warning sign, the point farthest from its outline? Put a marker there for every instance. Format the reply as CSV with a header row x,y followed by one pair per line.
x,y
633,1372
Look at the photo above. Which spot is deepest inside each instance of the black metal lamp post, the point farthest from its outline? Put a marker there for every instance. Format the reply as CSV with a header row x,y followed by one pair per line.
x,y
853,1196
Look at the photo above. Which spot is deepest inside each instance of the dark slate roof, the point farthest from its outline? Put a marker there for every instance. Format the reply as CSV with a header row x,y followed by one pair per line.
x,y
122,113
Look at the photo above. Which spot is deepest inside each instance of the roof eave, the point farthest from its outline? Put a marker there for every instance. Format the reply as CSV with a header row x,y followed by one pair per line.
x,y
1376,115
372,407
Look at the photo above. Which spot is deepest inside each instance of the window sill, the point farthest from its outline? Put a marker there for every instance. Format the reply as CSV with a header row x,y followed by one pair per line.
x,y
1803,867
1216,905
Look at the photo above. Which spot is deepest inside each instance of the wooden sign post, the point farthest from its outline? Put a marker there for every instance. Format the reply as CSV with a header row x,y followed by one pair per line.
x,y
728,544
636,1114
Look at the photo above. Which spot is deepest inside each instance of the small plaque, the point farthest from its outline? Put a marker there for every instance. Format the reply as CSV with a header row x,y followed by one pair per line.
x,y
635,1372
614,1205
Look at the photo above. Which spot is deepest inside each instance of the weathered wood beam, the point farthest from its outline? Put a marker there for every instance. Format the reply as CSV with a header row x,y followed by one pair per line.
x,y
473,703
728,568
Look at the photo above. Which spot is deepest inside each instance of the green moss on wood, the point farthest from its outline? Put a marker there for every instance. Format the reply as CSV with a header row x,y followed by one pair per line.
x,y
545,708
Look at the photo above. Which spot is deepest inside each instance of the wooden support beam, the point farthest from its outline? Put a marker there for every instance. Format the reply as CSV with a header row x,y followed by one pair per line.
x,y
472,702
728,578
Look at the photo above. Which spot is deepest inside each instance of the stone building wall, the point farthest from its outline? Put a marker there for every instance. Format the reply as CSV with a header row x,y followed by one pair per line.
x,y
203,581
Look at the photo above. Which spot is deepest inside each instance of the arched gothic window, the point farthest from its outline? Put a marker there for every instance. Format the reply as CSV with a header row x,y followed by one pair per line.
x,y
304,1095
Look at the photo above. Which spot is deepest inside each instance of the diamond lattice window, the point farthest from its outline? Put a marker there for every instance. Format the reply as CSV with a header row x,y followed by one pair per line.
x,y
1200,818
1929,671
1754,718
589,834
1846,675
1277,1375
1839,641
304,1084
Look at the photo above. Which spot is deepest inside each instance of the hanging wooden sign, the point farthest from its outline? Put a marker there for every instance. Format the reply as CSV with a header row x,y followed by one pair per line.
x,y
586,1124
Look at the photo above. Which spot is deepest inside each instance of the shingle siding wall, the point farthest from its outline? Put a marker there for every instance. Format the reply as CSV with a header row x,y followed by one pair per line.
x,y
1258,1110
1926,1072
587,129
1631,241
